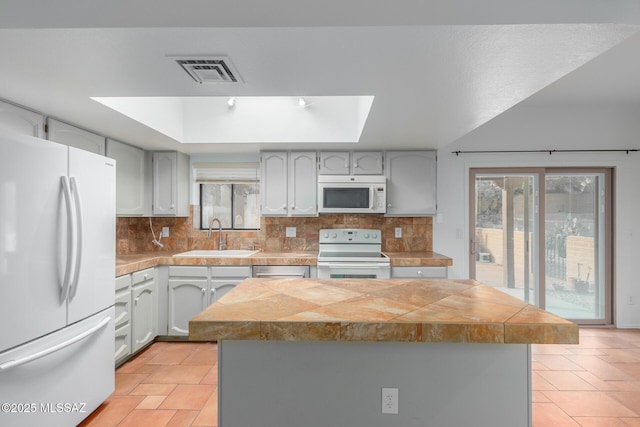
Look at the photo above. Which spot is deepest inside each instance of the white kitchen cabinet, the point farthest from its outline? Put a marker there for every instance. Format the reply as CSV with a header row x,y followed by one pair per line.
x,y
170,183
302,184
422,272
192,289
273,183
334,163
351,163
20,120
72,136
123,318
144,308
188,296
288,184
130,178
366,163
411,183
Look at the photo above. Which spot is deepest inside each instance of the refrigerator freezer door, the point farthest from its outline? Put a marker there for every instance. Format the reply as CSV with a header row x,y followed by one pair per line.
x,y
72,378
33,247
93,182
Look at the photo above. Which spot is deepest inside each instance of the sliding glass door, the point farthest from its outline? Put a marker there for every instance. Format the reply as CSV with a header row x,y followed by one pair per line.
x,y
543,235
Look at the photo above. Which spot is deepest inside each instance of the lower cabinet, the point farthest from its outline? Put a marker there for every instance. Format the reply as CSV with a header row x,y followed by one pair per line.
x,y
419,272
123,318
192,289
144,308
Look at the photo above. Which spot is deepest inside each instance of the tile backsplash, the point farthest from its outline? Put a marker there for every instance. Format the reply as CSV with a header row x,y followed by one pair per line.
x,y
133,234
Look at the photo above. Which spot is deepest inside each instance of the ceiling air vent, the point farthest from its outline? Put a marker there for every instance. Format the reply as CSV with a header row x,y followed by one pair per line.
x,y
210,69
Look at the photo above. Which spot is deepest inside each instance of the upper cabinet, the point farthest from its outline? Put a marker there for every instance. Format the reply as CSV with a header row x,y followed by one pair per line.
x,y
411,183
75,137
288,183
19,120
350,163
130,178
302,185
170,183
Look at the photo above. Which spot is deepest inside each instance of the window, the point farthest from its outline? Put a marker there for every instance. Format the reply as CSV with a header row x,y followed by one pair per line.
x,y
230,193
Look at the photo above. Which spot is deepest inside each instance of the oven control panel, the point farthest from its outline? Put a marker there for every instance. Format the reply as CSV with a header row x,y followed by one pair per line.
x,y
350,235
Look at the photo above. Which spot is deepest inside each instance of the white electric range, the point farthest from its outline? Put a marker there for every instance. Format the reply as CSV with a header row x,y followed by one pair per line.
x,y
352,253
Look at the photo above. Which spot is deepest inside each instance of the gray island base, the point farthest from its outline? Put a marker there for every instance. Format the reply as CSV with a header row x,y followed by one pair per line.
x,y
339,384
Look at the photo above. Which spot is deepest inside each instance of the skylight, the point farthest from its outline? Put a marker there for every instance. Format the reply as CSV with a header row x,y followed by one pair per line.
x,y
249,119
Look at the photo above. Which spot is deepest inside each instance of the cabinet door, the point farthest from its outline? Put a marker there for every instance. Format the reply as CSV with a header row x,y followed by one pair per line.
x,y
219,287
366,163
129,178
187,297
165,183
19,120
411,182
334,163
72,136
273,183
143,314
302,184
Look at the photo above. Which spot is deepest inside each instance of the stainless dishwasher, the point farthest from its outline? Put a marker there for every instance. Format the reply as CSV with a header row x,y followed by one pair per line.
x,y
280,271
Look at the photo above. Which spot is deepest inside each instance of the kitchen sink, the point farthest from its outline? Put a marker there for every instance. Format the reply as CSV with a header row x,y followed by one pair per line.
x,y
218,254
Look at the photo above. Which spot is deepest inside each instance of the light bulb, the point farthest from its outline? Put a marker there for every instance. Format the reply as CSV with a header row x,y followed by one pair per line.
x,y
232,101
302,102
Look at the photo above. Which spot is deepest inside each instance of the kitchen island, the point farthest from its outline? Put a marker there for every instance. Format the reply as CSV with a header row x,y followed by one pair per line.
x,y
318,352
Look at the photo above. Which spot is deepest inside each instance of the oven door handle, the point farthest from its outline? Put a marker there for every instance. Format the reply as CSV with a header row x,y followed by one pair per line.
x,y
353,264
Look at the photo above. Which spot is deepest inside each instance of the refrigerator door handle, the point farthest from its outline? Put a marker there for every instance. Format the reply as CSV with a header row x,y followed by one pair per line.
x,y
79,233
64,292
35,356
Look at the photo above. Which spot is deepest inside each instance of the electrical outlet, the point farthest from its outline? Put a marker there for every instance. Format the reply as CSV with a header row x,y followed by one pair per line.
x,y
389,400
165,231
398,232
290,232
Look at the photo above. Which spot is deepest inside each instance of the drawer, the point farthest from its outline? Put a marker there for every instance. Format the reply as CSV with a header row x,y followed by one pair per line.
x,y
183,271
143,276
242,271
123,282
419,272
123,307
122,342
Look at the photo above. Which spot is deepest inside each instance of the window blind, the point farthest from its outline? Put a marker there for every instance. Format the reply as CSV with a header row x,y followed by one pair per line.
x,y
238,173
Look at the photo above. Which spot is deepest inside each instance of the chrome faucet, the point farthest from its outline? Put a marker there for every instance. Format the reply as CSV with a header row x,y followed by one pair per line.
x,y
211,221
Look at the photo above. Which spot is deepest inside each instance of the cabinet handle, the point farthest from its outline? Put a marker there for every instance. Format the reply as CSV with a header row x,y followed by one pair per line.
x,y
355,164
284,206
135,301
203,291
171,206
420,274
145,277
293,206
389,205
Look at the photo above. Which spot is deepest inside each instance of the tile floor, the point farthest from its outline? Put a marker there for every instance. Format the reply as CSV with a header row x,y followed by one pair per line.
x,y
593,384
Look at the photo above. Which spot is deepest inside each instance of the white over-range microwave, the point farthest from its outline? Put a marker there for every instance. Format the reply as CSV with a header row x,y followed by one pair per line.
x,y
352,194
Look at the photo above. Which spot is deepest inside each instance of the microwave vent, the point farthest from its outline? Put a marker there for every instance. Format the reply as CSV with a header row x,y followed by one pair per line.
x,y
217,69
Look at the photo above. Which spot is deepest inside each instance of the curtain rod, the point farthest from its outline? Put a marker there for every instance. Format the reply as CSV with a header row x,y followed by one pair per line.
x,y
625,150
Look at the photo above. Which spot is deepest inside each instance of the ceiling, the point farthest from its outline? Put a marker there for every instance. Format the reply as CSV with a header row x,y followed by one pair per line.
x,y
437,70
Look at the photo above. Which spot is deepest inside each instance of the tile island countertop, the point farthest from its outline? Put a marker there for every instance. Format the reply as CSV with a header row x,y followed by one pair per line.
x,y
395,310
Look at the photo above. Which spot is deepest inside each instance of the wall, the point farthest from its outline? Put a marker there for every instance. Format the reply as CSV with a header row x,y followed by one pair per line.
x,y
133,235
527,127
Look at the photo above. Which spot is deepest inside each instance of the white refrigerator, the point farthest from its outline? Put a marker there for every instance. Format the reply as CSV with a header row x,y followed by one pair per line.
x,y
57,272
